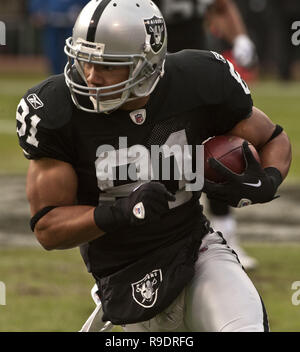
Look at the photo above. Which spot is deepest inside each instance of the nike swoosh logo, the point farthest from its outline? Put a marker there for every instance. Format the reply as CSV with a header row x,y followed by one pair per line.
x,y
258,184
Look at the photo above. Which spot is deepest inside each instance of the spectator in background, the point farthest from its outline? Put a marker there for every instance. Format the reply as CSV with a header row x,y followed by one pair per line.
x,y
188,22
269,24
56,19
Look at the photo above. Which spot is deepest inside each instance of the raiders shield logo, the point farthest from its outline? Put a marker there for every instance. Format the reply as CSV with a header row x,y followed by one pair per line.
x,y
145,291
156,29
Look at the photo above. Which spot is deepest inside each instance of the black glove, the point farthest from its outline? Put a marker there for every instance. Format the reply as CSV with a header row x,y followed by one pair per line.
x,y
143,205
255,185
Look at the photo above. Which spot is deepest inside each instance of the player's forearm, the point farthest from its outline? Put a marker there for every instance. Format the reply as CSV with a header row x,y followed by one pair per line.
x,y
277,153
67,227
228,20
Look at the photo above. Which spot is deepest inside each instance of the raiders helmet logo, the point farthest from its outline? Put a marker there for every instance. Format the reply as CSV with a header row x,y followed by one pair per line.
x,y
156,29
145,291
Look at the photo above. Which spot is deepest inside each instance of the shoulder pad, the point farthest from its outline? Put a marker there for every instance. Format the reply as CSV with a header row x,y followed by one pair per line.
x,y
51,101
201,75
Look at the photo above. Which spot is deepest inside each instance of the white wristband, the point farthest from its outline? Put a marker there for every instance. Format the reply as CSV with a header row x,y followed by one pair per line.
x,y
244,50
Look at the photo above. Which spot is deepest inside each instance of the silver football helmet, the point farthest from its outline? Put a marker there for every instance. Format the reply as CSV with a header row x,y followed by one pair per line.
x,y
117,32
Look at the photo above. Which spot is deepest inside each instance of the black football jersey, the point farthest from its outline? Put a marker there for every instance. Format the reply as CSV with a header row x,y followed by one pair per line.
x,y
199,96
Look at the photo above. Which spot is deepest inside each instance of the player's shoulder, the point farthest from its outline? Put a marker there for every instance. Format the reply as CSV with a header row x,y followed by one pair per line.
x,y
193,61
194,78
205,75
200,70
51,101
43,118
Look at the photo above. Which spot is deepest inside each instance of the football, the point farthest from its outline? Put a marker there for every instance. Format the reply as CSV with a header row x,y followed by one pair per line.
x,y
229,151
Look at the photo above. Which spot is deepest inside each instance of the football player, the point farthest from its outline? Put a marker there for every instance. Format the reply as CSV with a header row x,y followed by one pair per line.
x,y
157,264
187,23
54,21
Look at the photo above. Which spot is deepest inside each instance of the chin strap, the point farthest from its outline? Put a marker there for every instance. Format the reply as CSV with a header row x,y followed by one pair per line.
x,y
111,104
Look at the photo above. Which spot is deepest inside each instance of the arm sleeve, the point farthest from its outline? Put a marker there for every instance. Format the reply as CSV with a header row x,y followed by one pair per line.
x,y
39,135
236,103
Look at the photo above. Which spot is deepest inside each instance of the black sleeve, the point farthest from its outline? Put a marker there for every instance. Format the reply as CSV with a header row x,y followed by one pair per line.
x,y
43,123
236,103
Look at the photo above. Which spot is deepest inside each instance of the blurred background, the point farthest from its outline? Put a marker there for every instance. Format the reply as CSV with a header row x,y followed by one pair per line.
x,y
49,291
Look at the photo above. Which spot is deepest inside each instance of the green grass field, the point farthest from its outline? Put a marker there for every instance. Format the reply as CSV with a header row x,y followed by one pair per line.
x,y
281,102
49,291
45,291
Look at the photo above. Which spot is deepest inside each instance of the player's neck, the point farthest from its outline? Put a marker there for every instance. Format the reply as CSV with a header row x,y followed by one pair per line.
x,y
135,104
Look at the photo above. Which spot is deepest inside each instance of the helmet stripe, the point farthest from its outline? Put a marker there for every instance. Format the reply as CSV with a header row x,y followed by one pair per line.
x,y
95,20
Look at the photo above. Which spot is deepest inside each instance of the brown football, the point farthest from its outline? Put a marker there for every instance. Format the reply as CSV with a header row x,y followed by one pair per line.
x,y
229,151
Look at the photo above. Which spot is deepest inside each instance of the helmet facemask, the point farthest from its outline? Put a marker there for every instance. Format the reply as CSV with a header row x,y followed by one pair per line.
x,y
133,88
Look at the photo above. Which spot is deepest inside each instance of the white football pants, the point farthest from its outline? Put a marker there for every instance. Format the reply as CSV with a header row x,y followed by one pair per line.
x,y
221,297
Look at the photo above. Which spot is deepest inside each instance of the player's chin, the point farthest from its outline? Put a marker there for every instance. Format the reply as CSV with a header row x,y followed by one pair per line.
x,y
110,96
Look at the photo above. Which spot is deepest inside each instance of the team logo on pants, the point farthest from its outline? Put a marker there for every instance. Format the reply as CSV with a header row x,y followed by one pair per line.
x,y
145,291
155,27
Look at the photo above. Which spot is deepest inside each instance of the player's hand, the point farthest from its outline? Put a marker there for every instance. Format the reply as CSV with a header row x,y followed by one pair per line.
x,y
255,185
147,203
244,51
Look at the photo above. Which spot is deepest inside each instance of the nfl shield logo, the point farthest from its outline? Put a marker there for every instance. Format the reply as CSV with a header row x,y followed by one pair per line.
x,y
138,116
145,291
139,210
156,29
